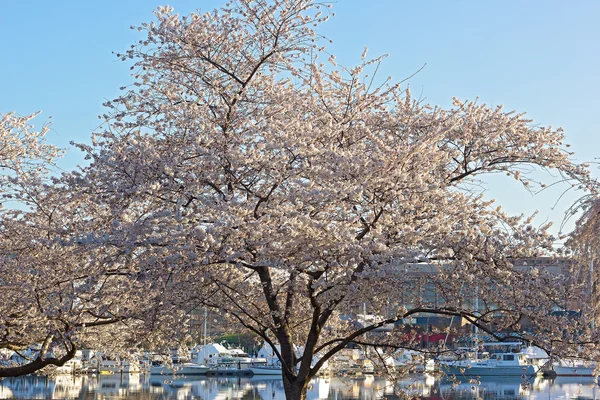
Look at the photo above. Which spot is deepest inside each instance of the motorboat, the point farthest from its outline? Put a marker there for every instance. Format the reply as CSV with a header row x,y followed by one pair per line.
x,y
574,367
492,359
215,355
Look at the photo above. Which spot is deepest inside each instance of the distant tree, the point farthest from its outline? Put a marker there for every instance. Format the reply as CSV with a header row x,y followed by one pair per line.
x,y
286,191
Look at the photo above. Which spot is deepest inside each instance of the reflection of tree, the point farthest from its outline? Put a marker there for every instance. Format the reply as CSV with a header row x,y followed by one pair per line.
x,y
252,394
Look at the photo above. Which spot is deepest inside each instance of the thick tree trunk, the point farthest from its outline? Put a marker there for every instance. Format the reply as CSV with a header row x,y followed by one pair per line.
x,y
295,389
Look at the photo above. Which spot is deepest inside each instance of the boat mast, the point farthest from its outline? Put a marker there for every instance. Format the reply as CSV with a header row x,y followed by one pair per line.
x,y
592,294
476,307
204,346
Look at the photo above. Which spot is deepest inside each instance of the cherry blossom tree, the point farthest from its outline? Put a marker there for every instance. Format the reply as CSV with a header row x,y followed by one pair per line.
x,y
25,154
24,161
584,239
257,177
585,248
62,286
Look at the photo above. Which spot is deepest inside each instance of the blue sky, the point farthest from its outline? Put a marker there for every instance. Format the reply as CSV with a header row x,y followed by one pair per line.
x,y
540,57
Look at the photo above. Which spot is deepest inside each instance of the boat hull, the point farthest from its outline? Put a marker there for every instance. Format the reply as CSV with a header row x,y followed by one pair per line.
x,y
573,371
266,371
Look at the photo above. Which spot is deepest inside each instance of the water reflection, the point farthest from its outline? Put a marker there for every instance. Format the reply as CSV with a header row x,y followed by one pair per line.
x,y
146,387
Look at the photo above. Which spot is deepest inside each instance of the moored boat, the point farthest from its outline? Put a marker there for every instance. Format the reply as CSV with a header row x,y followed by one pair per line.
x,y
574,367
118,366
502,359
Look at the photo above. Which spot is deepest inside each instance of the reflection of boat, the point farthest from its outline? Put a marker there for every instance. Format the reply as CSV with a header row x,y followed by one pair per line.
x,y
66,386
228,371
567,387
180,369
119,384
502,359
487,387
257,379
179,380
267,387
564,381
371,387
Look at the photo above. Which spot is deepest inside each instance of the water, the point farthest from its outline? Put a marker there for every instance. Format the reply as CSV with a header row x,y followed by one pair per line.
x,y
146,387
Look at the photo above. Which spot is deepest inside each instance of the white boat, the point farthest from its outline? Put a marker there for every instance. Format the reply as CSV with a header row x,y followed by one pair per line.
x,y
215,356
227,361
574,367
489,388
412,361
503,359
118,366
536,357
180,369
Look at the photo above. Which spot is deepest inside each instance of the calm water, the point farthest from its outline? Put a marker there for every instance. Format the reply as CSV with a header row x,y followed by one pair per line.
x,y
266,388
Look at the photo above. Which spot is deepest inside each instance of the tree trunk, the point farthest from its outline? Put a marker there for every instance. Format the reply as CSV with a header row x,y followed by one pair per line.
x,y
295,389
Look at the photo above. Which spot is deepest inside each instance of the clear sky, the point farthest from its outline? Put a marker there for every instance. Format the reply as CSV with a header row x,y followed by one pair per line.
x,y
537,56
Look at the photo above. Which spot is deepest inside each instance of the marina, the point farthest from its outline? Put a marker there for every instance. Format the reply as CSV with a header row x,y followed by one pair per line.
x,y
480,359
